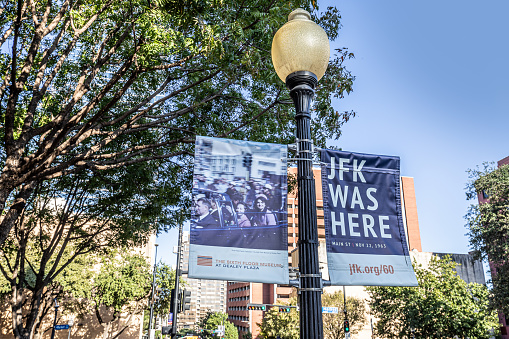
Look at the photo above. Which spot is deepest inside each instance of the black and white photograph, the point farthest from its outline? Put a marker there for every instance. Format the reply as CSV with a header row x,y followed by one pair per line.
x,y
239,194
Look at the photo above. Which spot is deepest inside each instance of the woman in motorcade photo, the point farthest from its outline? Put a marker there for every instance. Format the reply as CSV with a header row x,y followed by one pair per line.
x,y
262,216
242,218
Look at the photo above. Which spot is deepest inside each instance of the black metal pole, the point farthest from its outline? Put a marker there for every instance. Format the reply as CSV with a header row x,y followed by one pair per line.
x,y
302,89
176,288
344,302
54,320
152,295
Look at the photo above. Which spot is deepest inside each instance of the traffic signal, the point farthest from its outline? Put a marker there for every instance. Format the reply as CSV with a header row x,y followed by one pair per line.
x,y
172,300
257,307
185,301
347,326
284,309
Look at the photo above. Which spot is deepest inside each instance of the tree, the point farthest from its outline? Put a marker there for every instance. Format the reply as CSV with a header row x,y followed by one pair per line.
x,y
112,285
488,225
280,324
442,306
165,281
212,320
76,276
90,86
333,323
122,287
65,223
100,102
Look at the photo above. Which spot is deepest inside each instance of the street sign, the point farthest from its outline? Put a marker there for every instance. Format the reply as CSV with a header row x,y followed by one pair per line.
x,y
329,310
62,327
347,335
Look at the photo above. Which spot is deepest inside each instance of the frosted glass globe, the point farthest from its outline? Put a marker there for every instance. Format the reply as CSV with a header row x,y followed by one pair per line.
x,y
300,45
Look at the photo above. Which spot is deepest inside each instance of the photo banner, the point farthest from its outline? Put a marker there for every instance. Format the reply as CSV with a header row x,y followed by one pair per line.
x,y
365,234
239,219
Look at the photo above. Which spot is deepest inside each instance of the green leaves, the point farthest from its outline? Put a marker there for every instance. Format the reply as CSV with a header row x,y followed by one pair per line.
x,y
333,323
137,81
282,324
488,225
165,281
212,320
443,305
122,280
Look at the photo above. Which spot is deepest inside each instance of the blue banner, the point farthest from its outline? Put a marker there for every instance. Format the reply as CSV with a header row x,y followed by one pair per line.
x,y
365,234
239,219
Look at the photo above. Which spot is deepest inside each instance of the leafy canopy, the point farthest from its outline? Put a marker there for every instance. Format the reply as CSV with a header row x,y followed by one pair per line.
x,y
333,323
280,324
212,320
488,227
442,306
96,87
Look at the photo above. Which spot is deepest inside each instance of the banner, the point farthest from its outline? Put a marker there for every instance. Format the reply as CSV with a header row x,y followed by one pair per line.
x,y
239,219
365,235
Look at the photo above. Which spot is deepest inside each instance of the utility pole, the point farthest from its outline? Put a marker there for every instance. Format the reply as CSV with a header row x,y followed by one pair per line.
x,y
54,320
150,332
344,300
346,322
176,291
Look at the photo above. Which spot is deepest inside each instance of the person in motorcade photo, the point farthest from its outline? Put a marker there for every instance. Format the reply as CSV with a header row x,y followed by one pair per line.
x,y
262,216
242,218
205,219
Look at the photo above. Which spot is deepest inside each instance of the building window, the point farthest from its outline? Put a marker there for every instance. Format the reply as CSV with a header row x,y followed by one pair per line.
x,y
267,164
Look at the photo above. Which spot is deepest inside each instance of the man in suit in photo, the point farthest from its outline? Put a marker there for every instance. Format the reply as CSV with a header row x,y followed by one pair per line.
x,y
205,220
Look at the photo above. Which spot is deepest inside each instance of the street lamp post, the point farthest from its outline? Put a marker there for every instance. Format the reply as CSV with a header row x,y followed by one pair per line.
x,y
150,332
54,320
70,323
300,54
176,289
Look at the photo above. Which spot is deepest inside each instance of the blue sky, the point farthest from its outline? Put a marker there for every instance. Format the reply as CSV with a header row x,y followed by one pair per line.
x,y
432,87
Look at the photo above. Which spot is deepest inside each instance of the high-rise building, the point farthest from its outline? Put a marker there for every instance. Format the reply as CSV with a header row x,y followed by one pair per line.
x,y
206,295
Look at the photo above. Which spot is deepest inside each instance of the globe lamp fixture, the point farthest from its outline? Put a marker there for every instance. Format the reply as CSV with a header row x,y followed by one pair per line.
x,y
300,45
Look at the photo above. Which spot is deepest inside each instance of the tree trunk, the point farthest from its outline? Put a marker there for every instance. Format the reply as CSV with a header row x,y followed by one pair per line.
x,y
9,219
